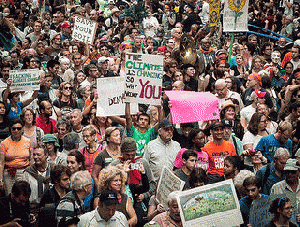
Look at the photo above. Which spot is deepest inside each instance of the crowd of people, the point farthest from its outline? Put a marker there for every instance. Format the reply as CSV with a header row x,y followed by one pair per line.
x,y
62,165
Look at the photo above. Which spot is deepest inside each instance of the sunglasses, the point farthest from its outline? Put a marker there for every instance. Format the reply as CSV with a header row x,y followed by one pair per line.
x,y
16,128
68,88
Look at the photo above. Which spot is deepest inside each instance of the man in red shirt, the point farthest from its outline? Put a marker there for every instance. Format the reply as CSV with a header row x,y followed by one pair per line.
x,y
217,150
47,124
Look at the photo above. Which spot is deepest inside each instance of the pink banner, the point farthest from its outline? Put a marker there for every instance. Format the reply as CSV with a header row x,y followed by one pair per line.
x,y
190,106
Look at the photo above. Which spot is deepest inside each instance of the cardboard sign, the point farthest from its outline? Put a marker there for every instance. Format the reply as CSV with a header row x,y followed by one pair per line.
x,y
210,205
168,182
24,80
144,75
259,212
111,97
190,106
84,30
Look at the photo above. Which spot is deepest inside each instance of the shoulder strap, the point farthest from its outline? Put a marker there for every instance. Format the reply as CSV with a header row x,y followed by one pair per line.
x,y
267,174
70,199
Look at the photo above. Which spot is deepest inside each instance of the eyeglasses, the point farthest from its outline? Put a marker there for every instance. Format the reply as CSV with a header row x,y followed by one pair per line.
x,y
199,138
16,128
68,88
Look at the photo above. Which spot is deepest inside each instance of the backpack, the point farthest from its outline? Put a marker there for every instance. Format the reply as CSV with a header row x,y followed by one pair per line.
x,y
47,215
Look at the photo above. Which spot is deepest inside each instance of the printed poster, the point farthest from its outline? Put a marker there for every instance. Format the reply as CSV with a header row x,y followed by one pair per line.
x,y
214,12
235,17
24,80
210,205
143,83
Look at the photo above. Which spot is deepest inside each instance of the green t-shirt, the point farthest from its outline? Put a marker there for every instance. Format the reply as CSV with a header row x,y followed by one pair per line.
x,y
141,139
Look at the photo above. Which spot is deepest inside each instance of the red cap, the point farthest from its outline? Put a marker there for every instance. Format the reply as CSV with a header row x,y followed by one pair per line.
x,y
260,94
66,24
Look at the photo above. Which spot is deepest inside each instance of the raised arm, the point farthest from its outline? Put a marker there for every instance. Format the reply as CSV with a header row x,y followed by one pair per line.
x,y
128,116
33,97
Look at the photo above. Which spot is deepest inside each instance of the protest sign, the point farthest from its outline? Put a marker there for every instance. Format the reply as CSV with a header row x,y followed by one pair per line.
x,y
235,17
84,30
190,106
168,182
214,12
210,205
144,73
259,211
111,97
24,80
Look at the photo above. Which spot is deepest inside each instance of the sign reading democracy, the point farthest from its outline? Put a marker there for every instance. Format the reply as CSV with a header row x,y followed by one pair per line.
x,y
168,182
84,30
144,75
210,205
190,106
24,80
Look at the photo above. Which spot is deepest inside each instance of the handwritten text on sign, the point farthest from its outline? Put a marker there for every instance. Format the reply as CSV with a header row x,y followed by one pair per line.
x,y
168,183
24,80
144,74
84,30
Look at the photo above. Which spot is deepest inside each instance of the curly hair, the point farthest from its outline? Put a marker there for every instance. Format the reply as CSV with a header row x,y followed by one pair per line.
x,y
106,175
61,87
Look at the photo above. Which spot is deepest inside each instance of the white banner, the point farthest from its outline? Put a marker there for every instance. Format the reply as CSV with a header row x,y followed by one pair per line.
x,y
144,75
84,30
24,80
210,205
168,182
235,9
111,97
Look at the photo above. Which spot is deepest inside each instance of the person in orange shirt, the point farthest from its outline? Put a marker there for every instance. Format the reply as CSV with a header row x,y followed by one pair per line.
x,y
217,150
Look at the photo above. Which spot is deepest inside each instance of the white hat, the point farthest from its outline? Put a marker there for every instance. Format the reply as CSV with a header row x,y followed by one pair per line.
x,y
103,59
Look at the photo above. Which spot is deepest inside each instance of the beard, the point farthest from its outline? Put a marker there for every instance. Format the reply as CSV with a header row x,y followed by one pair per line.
x,y
219,73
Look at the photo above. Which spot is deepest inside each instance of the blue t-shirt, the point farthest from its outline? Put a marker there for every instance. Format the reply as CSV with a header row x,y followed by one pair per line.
x,y
269,144
14,113
245,205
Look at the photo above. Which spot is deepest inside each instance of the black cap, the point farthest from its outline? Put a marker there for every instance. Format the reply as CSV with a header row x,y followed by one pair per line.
x,y
227,123
165,124
66,221
108,197
191,124
216,125
186,66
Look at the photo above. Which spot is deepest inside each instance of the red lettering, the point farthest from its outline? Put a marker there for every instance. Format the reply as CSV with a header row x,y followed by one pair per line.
x,y
146,91
159,92
143,88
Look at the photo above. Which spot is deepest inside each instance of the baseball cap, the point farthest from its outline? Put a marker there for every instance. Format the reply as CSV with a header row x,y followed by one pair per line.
x,y
66,24
216,125
165,124
291,164
66,221
108,197
102,59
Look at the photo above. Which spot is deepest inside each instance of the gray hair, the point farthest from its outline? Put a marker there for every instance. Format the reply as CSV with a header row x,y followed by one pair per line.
x,y
80,179
70,141
77,111
64,60
220,82
281,152
172,196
